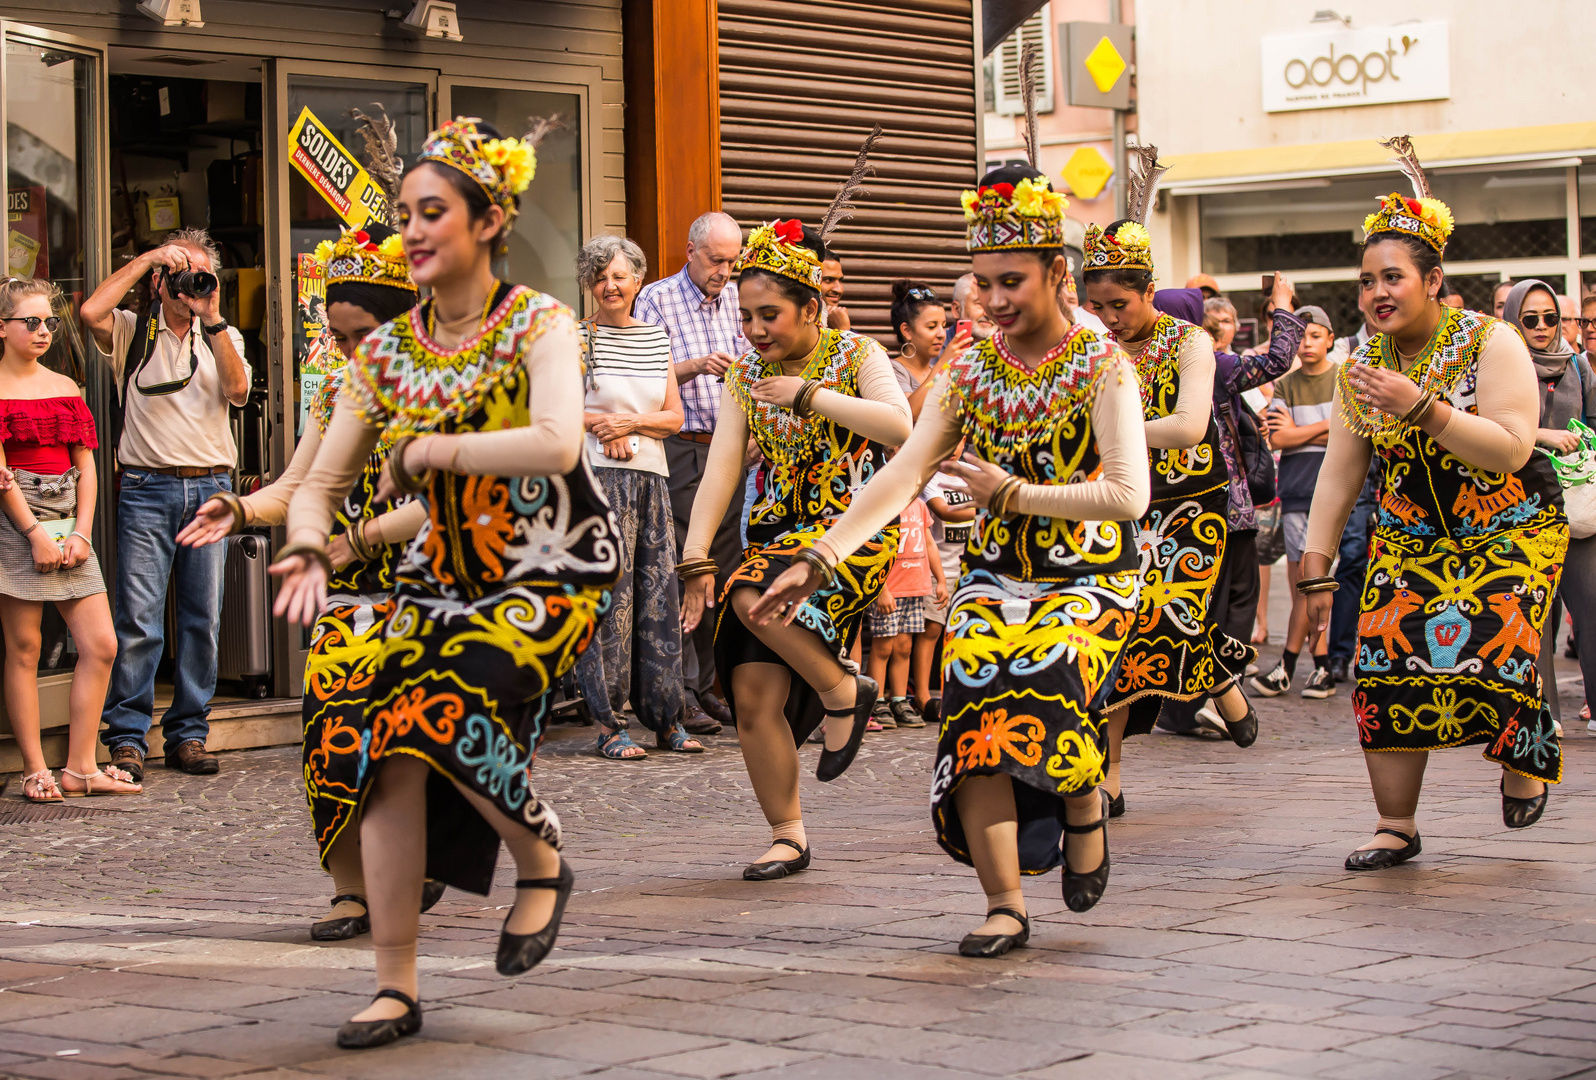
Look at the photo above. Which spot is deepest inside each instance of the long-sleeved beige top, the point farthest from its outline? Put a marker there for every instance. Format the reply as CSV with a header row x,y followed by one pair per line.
x,y
1119,493
550,444
880,413
1187,425
1499,439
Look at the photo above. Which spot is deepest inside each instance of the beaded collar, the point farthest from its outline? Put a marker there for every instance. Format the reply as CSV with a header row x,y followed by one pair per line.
x,y
1451,352
1159,354
1007,406
835,362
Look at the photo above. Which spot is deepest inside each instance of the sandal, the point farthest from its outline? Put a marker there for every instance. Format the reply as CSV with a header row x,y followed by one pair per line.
x,y
345,927
41,787
110,772
678,741
615,744
520,953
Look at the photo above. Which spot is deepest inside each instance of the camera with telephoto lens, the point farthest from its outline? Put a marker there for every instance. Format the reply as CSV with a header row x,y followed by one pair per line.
x,y
193,284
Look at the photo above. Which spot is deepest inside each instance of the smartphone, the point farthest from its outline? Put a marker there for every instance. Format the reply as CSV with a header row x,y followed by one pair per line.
x,y
963,326
1268,285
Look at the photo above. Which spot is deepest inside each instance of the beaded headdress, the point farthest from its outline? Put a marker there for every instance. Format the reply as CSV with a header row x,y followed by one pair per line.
x,y
1129,247
1423,216
354,256
503,167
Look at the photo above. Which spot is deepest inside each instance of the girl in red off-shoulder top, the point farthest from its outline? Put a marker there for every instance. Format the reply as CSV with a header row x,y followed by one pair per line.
x,y
47,491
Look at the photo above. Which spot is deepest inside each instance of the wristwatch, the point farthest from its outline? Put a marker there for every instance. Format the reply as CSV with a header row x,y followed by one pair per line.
x,y
217,329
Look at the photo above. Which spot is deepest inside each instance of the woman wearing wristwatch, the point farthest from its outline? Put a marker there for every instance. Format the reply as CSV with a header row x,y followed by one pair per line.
x,y
480,387
368,283
823,405
1469,539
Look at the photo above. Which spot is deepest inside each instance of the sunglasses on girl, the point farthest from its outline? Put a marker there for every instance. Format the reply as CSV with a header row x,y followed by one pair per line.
x,y
52,324
1534,321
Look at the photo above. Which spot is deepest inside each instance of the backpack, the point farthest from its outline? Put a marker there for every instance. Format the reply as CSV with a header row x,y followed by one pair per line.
x,y
1257,460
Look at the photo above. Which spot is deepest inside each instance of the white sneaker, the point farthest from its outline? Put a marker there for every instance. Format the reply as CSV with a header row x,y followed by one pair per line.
x,y
1252,669
1274,684
1209,720
1319,684
1558,724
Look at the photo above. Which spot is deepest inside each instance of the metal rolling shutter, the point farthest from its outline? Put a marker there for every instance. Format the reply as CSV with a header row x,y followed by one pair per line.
x,y
801,83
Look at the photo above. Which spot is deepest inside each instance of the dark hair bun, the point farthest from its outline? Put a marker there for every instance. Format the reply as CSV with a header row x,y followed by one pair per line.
x,y
1011,174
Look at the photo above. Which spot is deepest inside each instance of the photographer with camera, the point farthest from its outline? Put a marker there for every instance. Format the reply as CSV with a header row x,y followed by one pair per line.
x,y
178,366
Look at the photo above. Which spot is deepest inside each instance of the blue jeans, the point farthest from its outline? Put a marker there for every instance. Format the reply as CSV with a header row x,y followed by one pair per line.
x,y
1352,567
150,511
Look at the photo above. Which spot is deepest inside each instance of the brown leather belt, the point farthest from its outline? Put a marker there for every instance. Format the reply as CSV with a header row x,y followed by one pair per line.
x,y
187,472
702,438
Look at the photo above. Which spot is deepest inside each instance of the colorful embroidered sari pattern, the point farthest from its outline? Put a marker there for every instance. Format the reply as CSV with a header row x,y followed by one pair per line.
x,y
1462,571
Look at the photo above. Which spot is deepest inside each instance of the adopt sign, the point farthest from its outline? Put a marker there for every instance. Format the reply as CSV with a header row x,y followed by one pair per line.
x,y
1374,66
320,158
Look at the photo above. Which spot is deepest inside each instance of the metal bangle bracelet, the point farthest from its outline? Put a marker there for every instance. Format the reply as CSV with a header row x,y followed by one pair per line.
x,y
235,506
85,539
828,573
319,554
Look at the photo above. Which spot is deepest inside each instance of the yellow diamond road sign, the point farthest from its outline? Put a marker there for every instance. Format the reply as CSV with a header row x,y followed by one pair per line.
x,y
1105,65
1087,171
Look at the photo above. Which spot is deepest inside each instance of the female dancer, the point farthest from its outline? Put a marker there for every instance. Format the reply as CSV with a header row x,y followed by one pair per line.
x,y
1178,652
481,388
822,404
1469,539
1049,589
368,283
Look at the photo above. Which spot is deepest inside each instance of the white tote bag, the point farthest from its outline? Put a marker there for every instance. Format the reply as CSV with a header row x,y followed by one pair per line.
x,y
1576,472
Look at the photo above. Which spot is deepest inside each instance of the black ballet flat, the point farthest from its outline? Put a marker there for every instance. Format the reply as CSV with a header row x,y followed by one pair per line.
x,y
520,953
1116,806
833,763
1244,732
987,946
1083,891
431,893
364,1034
1384,858
1522,813
776,869
345,928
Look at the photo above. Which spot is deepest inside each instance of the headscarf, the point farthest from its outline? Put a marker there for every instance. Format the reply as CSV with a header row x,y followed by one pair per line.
x,y
1551,363
1184,304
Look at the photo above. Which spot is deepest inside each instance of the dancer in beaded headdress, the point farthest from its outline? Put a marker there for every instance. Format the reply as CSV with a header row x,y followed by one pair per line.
x,y
1469,540
1056,462
480,389
823,405
1178,651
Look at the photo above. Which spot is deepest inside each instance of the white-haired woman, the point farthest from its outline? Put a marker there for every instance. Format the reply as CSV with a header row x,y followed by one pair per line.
x,y
632,404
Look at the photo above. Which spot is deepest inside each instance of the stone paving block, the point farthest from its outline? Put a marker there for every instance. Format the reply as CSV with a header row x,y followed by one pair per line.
x,y
1128,1067
730,1059
122,1023
265,1043
605,1043
191,1065
69,1069
422,1059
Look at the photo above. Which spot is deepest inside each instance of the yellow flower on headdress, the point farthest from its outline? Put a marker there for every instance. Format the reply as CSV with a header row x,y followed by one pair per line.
x,y
324,252
968,200
1028,198
1132,234
392,248
1437,213
515,159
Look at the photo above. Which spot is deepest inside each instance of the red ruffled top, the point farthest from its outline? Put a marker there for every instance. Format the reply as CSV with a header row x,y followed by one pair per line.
x,y
36,432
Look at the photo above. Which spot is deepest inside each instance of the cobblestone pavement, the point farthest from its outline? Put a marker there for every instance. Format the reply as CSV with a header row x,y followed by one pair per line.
x,y
168,935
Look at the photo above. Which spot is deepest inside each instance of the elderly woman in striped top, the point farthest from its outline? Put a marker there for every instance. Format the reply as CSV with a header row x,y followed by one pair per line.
x,y
632,404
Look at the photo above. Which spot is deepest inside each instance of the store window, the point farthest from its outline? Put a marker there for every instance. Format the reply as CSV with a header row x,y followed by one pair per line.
x,y
548,232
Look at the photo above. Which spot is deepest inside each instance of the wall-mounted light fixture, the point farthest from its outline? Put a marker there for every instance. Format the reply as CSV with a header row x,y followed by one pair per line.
x,y
174,12
431,18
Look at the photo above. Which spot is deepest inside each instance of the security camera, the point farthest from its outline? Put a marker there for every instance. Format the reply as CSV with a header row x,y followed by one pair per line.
x,y
174,12
434,19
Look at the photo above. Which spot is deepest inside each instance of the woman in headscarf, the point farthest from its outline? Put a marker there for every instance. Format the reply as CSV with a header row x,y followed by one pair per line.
x,y
1568,392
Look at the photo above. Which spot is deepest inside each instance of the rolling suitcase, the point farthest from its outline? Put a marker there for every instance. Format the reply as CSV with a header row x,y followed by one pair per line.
x,y
244,643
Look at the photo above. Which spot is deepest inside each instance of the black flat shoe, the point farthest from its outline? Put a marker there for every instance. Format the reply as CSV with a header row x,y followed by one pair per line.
x,y
364,1034
1116,806
1522,813
519,953
431,893
1244,732
1384,858
345,928
986,946
1083,891
778,868
833,763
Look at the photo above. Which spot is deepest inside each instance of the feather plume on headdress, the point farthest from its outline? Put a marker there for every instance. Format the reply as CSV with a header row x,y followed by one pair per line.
x,y
383,162
1028,60
842,206
1143,183
1408,161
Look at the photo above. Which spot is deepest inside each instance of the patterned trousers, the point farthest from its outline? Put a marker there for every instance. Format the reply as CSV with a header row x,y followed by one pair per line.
x,y
638,654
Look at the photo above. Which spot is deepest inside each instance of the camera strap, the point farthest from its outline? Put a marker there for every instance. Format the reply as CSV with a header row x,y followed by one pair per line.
x,y
152,329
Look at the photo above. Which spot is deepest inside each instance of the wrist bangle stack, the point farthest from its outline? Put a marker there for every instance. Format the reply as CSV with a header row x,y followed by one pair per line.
x,y
407,482
806,393
235,506
1005,495
1421,408
313,551
688,569
1317,584
363,549
828,573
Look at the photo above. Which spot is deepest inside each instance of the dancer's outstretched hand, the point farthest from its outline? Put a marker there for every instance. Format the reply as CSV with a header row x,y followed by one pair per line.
x,y
304,589
213,522
786,595
698,593
982,478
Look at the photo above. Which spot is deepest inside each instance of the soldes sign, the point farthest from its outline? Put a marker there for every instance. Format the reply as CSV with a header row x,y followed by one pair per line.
x,y
1376,66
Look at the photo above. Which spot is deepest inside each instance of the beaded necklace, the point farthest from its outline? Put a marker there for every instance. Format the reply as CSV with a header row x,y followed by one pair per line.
x,y
1452,350
1158,356
785,436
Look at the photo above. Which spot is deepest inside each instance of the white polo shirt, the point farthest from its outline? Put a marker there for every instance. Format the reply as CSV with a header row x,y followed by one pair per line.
x,y
189,427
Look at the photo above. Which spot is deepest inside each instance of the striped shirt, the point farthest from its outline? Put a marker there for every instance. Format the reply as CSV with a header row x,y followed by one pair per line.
x,y
626,369
697,326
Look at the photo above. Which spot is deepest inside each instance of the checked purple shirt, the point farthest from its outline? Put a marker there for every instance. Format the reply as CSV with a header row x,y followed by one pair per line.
x,y
697,326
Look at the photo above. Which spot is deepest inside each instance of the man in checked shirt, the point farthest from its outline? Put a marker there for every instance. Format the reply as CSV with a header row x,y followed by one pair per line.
x,y
697,306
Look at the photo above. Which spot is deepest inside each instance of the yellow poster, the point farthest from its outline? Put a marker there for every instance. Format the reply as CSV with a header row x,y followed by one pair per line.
x,y
333,171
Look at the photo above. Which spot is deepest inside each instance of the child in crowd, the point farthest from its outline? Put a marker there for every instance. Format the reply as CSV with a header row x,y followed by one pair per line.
x,y
951,514
899,616
1299,427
